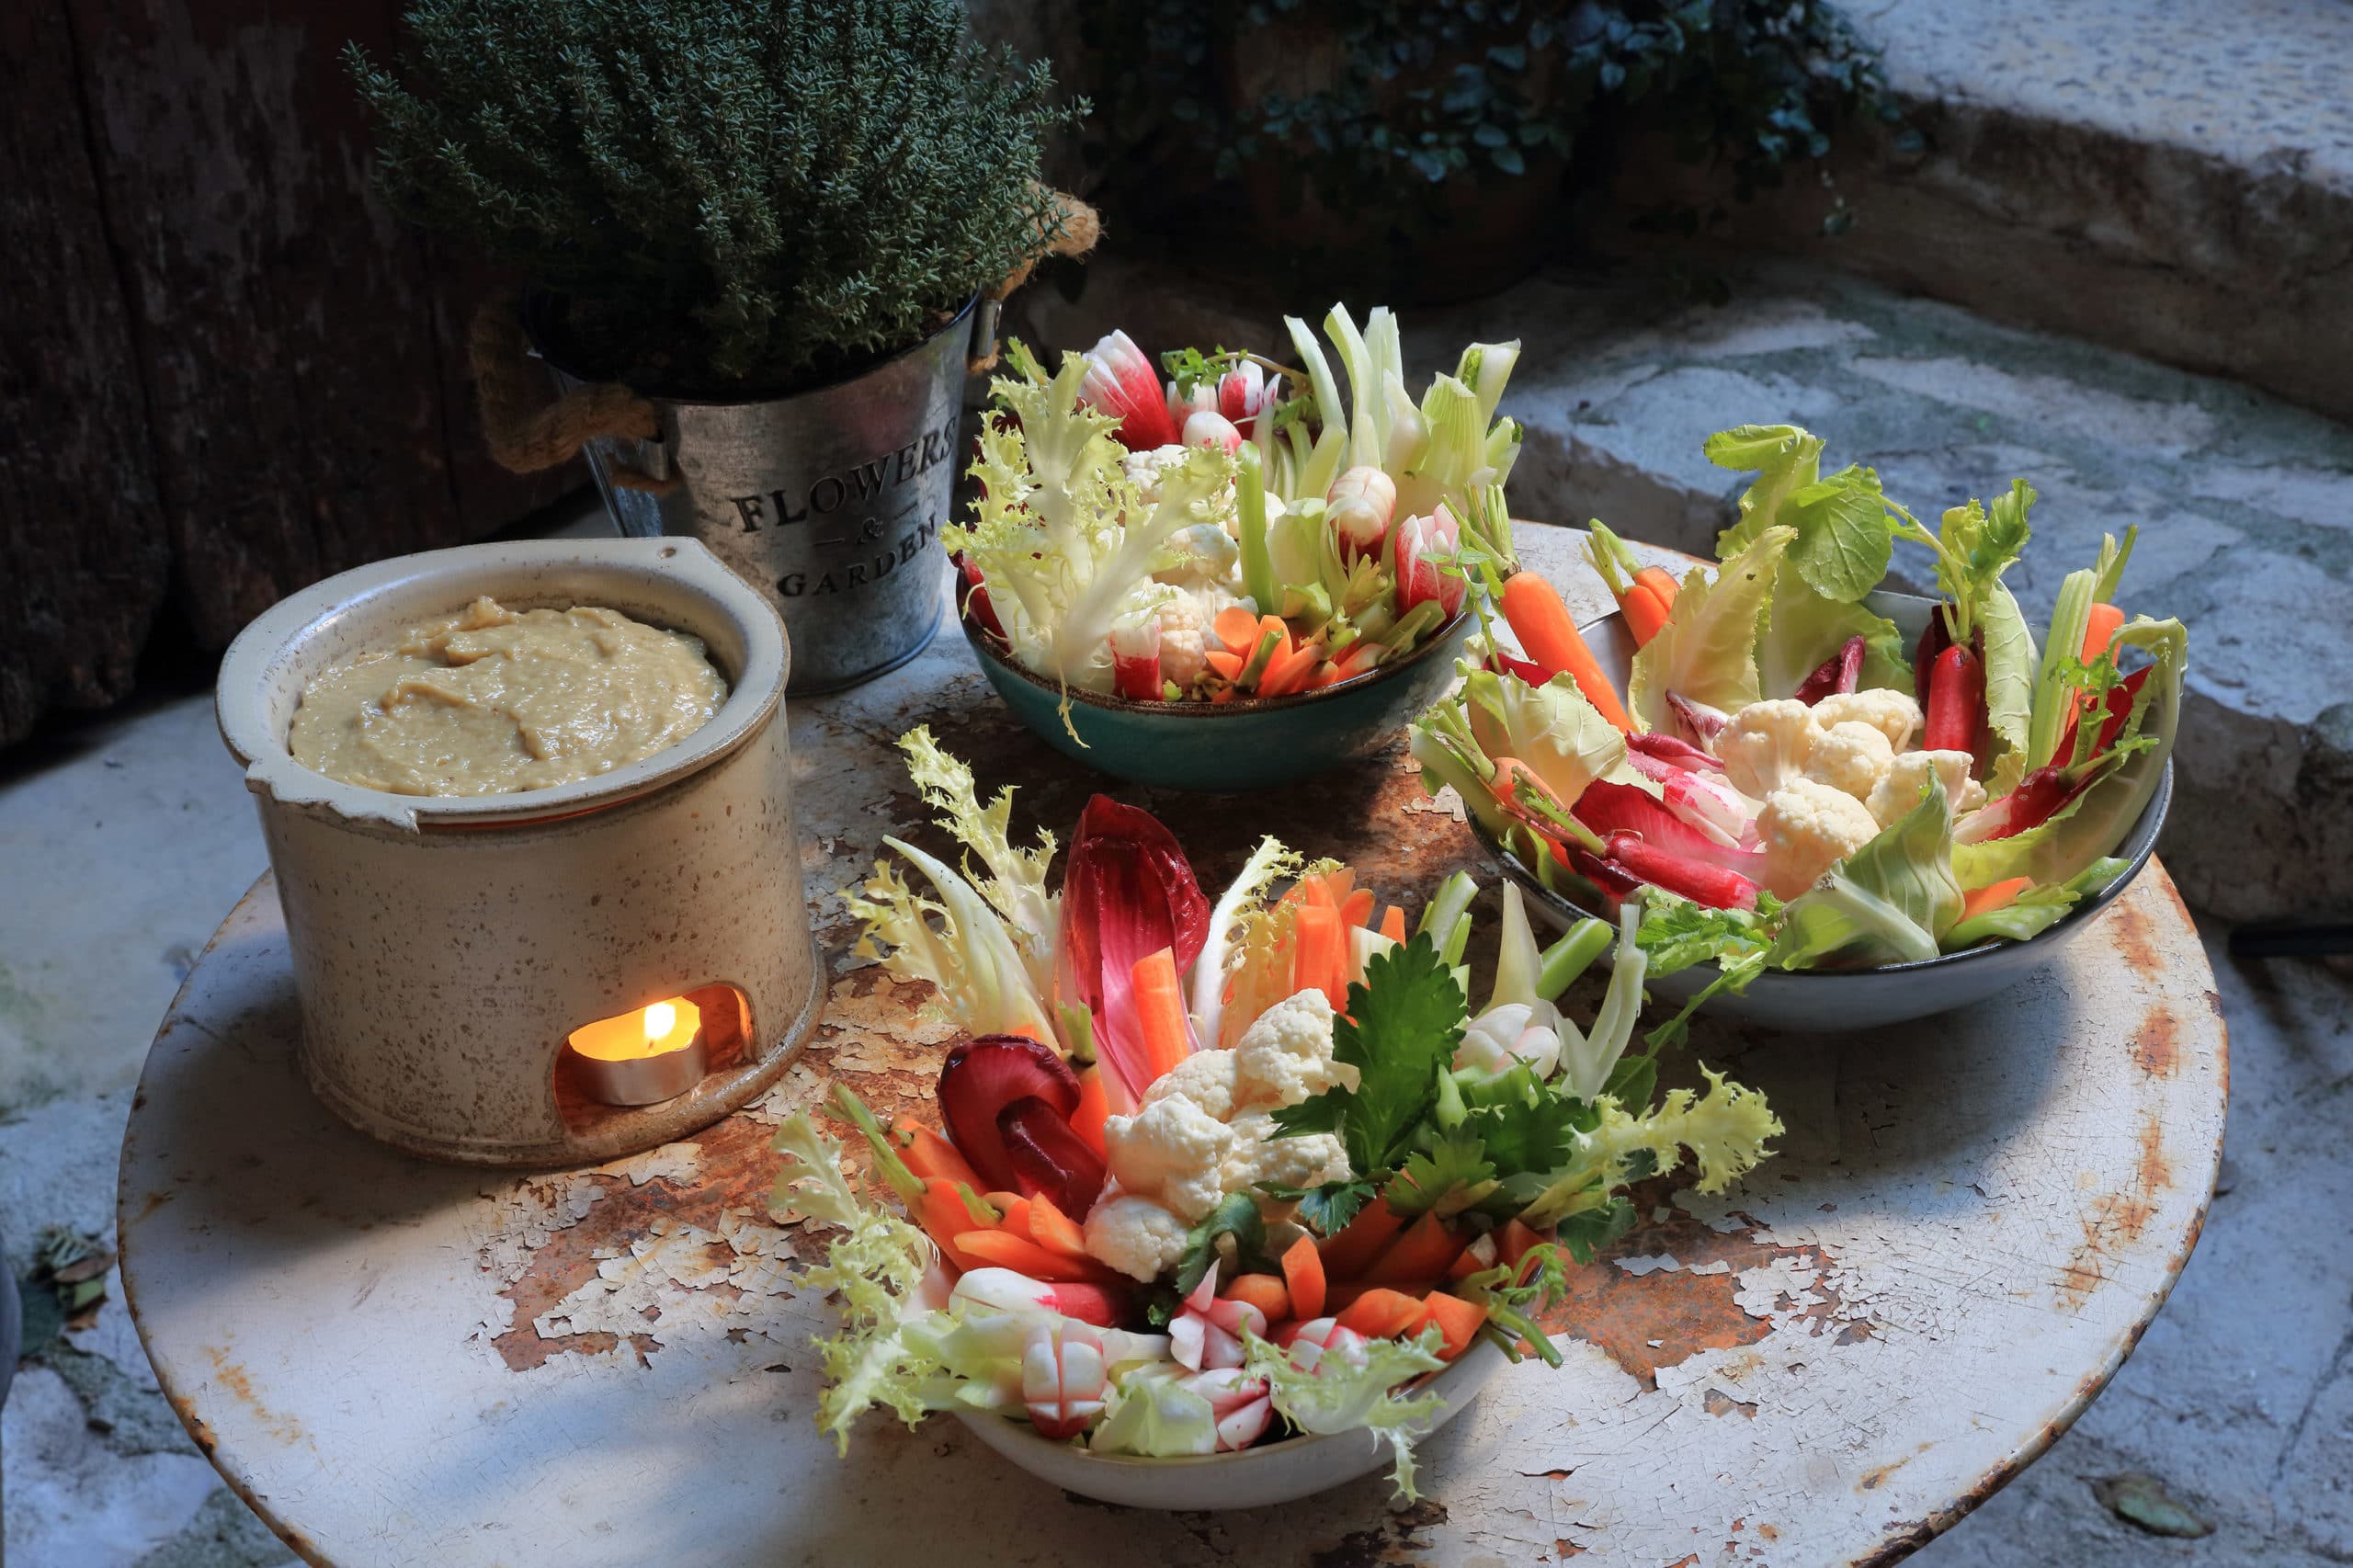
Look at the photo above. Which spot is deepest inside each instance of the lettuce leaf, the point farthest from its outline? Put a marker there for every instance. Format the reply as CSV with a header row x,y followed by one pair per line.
x,y
1707,650
1343,1396
2010,679
1802,628
1725,1131
1016,885
1151,1411
873,1267
1785,460
2090,827
1551,728
980,974
1887,903
1678,932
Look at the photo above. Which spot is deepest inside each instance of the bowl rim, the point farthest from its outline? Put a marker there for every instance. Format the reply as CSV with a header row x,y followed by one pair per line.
x,y
1484,1355
1448,634
2152,817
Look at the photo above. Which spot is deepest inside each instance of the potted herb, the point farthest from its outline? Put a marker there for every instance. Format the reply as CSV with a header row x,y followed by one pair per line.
x,y
1424,147
761,237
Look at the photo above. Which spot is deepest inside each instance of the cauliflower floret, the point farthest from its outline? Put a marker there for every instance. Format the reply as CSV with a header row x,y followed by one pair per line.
x,y
1206,1078
1201,554
1258,1155
1850,757
1286,1055
1809,827
1135,1235
1765,746
1184,646
1143,469
1900,790
1892,713
1169,1151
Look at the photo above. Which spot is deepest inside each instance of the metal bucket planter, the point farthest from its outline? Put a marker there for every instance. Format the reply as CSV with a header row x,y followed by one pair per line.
x,y
828,500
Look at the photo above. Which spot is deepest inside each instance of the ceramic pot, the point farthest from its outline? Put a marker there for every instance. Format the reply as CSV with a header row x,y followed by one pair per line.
x,y
445,947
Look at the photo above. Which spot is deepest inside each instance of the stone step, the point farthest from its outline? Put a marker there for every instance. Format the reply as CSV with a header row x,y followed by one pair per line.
x,y
2246,505
2173,179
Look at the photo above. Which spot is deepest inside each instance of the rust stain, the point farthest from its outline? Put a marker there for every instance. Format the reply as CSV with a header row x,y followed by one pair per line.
x,y
2158,1048
1876,1477
231,1376
198,1428
2117,1219
153,1201
1684,1312
1767,1532
2135,939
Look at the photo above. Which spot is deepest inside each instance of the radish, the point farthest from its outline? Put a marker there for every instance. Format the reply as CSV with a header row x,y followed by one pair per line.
x,y
1135,657
1120,381
1357,509
1008,1290
1212,431
1695,880
1061,1377
1423,544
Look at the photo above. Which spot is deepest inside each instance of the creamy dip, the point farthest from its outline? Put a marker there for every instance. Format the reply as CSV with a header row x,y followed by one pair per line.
x,y
493,700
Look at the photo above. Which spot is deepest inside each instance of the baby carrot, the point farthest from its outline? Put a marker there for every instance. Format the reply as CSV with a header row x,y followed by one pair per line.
x,y
1263,1291
1535,612
2100,629
1644,615
1661,583
929,1155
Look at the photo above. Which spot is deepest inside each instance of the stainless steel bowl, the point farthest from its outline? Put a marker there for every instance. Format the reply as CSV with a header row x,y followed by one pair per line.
x,y
1828,1000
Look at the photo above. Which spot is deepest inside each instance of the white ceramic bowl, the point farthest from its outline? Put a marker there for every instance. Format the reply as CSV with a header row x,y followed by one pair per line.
x,y
1832,1000
1277,1472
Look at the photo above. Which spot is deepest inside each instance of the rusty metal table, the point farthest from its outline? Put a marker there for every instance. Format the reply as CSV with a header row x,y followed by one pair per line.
x,y
1970,1223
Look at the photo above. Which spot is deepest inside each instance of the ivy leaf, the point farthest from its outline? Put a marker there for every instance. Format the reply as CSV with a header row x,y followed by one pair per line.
x,y
1402,1026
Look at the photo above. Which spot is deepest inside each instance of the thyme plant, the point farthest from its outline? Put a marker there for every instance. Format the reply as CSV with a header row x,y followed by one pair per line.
x,y
727,194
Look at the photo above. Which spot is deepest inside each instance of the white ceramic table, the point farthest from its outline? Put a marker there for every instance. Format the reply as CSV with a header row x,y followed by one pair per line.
x,y
1970,1223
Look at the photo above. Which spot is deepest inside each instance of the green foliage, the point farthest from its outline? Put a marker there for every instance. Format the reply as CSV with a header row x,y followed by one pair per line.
x,y
729,193
1424,92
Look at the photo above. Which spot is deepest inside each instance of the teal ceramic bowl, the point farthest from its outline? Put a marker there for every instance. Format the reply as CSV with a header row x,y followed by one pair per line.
x,y
1250,744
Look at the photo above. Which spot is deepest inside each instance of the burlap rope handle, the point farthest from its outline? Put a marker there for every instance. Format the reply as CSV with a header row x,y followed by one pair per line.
x,y
528,432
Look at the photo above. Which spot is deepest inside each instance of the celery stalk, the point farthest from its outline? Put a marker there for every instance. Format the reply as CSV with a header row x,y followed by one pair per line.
x,y
1571,956
2061,649
1335,413
1364,387
1257,566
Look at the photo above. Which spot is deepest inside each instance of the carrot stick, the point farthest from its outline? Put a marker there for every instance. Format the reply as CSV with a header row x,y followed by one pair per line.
x,y
1304,1278
1094,1106
945,1218
2000,895
1661,583
1419,1256
1644,615
1160,1011
1517,1239
1002,1249
2101,629
1225,664
1346,1254
1055,1230
1392,922
1321,962
1013,1212
1381,1314
1458,1322
1535,612
929,1155
1236,627
1287,673
1356,908
1263,1291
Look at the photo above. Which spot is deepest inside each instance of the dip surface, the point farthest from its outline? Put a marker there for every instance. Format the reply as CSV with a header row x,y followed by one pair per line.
x,y
493,700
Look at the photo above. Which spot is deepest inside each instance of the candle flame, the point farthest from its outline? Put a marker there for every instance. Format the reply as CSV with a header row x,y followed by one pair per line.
x,y
660,1019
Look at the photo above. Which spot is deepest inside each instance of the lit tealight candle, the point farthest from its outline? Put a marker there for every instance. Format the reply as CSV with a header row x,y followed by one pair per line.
x,y
644,1057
